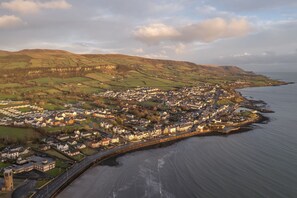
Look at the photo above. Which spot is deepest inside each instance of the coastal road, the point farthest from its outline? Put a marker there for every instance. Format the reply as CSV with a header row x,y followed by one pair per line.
x,y
69,175
21,191
57,183
73,172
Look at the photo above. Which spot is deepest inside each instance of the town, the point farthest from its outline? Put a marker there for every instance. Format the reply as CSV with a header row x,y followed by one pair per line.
x,y
135,115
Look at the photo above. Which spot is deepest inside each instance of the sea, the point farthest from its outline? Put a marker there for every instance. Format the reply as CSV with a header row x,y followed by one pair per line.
x,y
260,163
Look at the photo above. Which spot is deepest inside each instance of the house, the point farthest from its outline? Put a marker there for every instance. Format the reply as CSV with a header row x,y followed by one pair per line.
x,y
216,121
130,137
85,134
200,128
115,140
49,120
169,129
69,114
44,147
185,127
94,144
88,112
62,147
77,132
56,123
69,121
80,146
24,151
79,119
105,125
18,123
10,155
38,118
72,152
59,118
63,137
105,141
42,125
103,115
72,142
74,136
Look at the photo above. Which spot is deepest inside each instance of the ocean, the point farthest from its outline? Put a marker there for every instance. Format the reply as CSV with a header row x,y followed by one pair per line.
x,y
259,163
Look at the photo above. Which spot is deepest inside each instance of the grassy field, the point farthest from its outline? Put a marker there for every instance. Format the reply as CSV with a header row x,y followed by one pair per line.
x,y
55,172
3,164
56,154
88,151
24,109
61,166
118,72
79,157
18,133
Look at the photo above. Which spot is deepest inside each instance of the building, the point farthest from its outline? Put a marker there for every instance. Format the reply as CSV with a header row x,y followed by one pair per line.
x,y
105,142
80,146
62,147
63,137
115,140
72,152
10,155
8,180
42,164
94,144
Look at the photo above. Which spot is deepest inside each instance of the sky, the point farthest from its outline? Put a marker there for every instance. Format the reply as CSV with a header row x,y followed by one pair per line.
x,y
257,35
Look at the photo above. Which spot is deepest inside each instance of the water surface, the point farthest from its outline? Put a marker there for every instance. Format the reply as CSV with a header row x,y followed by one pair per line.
x,y
258,163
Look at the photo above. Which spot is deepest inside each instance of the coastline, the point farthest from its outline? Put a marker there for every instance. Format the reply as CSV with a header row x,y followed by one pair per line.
x,y
244,128
53,191
164,141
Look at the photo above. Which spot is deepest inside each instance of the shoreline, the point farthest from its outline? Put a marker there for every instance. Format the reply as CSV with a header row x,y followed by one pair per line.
x,y
243,129
57,185
112,154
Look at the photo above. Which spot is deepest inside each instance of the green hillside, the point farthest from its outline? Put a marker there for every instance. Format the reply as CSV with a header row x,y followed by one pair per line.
x,y
49,76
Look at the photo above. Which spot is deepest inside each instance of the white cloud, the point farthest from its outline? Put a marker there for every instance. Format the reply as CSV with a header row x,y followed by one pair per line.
x,y
203,31
178,48
214,29
57,4
33,6
212,11
154,33
262,58
168,7
206,9
8,21
139,50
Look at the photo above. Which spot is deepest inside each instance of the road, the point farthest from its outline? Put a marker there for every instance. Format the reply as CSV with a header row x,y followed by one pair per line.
x,y
73,172
51,188
21,192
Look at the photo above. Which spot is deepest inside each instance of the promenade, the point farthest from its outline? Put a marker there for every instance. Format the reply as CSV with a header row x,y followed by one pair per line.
x,y
59,183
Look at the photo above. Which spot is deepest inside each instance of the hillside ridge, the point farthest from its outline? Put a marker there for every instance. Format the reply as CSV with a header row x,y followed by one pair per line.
x,y
47,54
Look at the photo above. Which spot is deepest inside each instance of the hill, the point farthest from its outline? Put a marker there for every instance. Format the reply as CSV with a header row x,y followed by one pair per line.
x,y
40,74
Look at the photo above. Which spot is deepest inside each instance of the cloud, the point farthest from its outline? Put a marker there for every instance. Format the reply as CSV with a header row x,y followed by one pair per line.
x,y
33,6
253,5
138,51
8,21
167,7
203,31
213,29
212,11
267,57
178,48
154,33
